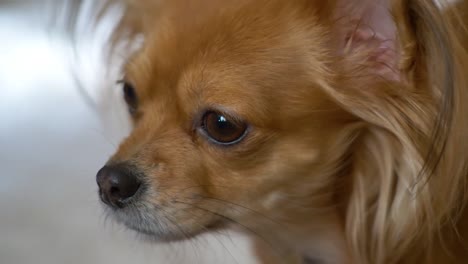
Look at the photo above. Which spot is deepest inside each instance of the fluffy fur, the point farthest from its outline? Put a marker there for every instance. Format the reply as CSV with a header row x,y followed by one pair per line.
x,y
357,149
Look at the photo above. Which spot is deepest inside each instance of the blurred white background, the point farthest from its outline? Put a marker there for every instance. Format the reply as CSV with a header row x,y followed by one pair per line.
x,y
53,139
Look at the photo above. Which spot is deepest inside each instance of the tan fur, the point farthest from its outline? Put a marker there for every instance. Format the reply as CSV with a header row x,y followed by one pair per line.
x,y
349,160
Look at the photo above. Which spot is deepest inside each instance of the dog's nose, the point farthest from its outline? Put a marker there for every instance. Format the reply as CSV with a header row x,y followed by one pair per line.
x,y
116,184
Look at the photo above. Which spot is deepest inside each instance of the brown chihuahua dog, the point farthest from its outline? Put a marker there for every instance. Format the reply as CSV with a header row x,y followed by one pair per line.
x,y
332,131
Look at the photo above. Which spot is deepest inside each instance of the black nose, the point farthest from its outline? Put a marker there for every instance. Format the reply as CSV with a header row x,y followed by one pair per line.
x,y
116,184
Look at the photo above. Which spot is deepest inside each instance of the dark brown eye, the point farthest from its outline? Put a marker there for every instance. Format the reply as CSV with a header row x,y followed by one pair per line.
x,y
222,130
130,96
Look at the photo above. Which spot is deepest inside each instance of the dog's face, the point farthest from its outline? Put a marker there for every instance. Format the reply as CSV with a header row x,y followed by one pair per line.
x,y
230,122
289,119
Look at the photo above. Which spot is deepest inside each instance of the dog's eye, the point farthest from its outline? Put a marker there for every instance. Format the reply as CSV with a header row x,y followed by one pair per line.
x,y
130,96
223,130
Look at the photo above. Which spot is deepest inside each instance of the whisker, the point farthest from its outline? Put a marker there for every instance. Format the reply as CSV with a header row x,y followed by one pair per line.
x,y
101,134
204,185
248,229
180,229
219,240
239,206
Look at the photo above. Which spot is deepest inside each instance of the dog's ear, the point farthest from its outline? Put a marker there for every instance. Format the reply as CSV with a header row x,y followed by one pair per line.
x,y
400,71
365,34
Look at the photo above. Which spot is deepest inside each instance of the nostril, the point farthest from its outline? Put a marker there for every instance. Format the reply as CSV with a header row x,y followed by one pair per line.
x,y
114,191
116,184
123,185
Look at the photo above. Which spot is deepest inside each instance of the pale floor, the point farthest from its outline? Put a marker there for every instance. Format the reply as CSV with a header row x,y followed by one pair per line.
x,y
51,145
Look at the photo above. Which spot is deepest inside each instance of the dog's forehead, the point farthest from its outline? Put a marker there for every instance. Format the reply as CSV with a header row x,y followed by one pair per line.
x,y
235,56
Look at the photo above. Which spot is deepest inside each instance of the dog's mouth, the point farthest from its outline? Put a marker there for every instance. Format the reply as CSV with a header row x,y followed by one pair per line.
x,y
165,229
155,223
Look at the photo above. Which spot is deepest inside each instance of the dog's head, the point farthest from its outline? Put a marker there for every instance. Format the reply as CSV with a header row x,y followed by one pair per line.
x,y
228,110
285,118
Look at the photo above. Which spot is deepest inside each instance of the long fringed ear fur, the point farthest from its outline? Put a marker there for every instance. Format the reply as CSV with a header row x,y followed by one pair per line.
x,y
127,15
401,72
